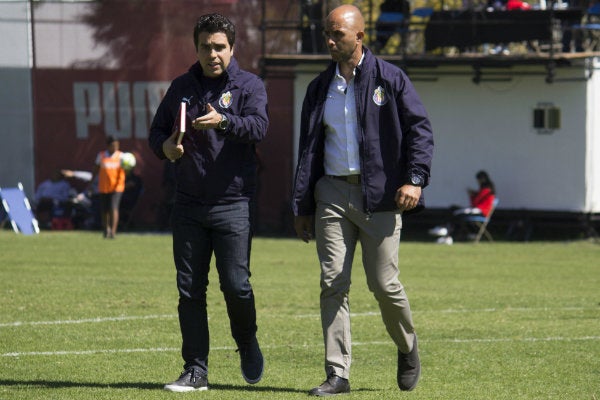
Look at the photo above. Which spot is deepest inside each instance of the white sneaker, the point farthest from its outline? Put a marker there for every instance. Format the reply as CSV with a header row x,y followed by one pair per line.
x,y
439,231
445,240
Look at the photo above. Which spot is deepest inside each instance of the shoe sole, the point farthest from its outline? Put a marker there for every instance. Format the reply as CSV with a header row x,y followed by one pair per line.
x,y
252,381
323,394
410,389
182,389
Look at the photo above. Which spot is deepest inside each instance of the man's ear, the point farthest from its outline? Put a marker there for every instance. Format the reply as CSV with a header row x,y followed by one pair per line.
x,y
360,35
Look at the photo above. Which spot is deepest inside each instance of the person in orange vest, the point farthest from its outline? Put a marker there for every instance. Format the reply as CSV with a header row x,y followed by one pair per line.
x,y
111,184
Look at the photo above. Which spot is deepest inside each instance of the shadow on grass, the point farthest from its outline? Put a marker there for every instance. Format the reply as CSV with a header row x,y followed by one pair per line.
x,y
148,386
66,384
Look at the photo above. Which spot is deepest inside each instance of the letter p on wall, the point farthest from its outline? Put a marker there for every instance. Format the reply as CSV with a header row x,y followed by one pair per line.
x,y
86,104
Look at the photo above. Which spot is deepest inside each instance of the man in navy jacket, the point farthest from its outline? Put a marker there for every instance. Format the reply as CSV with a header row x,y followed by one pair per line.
x,y
364,156
215,169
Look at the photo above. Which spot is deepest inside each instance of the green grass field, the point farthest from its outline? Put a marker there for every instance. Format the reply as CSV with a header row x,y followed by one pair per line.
x,y
87,318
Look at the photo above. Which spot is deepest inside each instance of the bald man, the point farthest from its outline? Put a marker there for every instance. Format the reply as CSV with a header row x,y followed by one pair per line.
x,y
364,156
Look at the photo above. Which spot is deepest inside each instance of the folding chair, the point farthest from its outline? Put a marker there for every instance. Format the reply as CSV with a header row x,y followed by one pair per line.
x,y
18,210
481,222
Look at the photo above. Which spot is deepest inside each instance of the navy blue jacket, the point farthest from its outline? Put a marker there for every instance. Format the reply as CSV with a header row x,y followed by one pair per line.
x,y
394,135
217,166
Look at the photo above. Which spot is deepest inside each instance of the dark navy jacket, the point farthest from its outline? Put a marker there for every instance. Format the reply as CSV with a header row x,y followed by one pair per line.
x,y
395,135
217,167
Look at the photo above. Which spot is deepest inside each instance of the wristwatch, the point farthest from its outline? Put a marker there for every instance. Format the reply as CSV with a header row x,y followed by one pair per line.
x,y
416,179
224,123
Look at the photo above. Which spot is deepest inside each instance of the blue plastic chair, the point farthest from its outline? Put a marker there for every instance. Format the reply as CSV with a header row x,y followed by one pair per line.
x,y
394,18
422,12
18,210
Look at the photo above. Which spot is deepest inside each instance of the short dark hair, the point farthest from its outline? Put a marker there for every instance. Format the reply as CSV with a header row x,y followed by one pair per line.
x,y
213,23
110,139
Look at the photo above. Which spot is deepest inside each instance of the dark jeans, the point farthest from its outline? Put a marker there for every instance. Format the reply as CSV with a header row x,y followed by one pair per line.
x,y
198,232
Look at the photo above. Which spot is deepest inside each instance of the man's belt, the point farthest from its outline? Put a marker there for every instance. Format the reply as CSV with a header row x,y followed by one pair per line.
x,y
351,179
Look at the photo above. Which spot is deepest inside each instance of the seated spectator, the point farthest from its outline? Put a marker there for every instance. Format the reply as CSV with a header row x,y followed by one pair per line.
x,y
52,199
86,203
575,35
481,200
505,5
391,20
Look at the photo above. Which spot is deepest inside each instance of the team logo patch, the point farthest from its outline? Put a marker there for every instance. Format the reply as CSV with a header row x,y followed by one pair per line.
x,y
225,100
379,97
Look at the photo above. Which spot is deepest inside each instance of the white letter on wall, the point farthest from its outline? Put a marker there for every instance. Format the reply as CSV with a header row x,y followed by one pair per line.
x,y
86,99
116,101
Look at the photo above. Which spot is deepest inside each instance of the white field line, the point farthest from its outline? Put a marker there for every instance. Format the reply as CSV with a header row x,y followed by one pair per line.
x,y
315,315
86,320
366,314
287,346
466,310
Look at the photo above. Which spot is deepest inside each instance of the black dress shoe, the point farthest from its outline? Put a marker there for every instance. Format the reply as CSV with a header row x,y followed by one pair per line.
x,y
409,368
333,385
252,362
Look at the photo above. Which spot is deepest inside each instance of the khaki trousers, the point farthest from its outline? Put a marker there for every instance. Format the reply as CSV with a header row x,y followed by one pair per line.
x,y
340,224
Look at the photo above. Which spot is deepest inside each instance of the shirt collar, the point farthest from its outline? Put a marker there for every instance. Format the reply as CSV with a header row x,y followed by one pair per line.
x,y
337,65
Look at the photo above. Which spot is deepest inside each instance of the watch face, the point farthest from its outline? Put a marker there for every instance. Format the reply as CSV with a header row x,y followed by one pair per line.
x,y
416,180
224,122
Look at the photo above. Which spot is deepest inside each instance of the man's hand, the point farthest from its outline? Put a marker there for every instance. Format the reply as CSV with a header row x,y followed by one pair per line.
x,y
407,197
303,225
208,121
172,150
